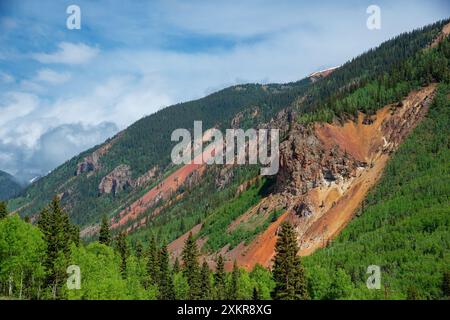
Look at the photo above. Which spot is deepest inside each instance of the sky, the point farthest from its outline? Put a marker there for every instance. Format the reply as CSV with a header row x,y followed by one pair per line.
x,y
63,91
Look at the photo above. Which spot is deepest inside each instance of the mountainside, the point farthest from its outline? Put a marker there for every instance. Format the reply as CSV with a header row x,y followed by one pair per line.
x,y
9,187
338,132
403,225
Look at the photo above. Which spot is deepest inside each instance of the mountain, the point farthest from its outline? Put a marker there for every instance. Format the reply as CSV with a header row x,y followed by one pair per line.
x,y
363,177
338,133
9,187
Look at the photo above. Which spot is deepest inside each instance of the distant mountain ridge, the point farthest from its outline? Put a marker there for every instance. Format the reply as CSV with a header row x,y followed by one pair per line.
x,y
9,186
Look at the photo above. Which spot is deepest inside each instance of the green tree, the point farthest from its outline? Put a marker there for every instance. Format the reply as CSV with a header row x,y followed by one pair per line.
x,y
123,250
205,281
3,210
176,266
22,257
59,233
166,287
104,234
219,278
191,268
139,249
288,273
233,287
152,261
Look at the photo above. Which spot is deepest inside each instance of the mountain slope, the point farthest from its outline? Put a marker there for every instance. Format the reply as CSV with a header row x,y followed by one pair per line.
x,y
9,187
379,96
404,225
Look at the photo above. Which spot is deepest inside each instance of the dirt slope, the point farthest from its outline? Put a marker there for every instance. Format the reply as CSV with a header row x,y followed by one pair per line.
x,y
326,177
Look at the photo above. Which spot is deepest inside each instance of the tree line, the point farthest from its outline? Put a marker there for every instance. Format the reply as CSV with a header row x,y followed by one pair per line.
x,y
34,261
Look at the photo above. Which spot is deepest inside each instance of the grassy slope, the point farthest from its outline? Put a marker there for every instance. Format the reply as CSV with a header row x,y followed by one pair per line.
x,y
405,223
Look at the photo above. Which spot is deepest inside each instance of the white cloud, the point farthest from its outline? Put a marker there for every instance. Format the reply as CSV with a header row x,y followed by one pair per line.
x,y
69,53
52,77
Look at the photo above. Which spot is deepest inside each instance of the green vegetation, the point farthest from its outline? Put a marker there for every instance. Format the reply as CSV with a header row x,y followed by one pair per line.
x,y
34,260
404,227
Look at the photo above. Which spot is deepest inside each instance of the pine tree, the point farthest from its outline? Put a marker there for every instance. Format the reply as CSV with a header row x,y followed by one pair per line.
x,y
176,266
166,287
152,261
288,273
123,250
104,234
58,233
219,278
234,283
191,268
138,249
205,281
3,210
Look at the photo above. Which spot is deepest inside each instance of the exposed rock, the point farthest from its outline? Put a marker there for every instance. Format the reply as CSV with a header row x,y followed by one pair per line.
x,y
305,163
91,162
224,177
302,210
146,177
116,181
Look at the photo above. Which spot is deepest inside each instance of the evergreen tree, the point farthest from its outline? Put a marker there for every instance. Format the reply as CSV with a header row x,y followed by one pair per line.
x,y
104,235
205,281
3,210
152,261
288,273
191,268
234,283
123,250
166,287
176,266
58,233
219,278
138,249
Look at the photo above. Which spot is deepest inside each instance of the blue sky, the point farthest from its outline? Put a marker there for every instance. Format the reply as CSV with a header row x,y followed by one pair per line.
x,y
62,91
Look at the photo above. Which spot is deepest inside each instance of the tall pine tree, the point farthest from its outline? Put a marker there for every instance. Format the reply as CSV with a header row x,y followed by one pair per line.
x,y
152,261
205,282
123,250
58,233
166,287
288,272
191,268
104,235
219,278
233,287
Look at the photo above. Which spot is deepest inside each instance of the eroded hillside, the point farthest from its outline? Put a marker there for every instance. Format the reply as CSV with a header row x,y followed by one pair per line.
x,y
326,171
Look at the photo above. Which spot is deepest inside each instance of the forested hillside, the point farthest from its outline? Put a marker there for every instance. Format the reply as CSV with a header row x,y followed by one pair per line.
x,y
9,187
146,144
